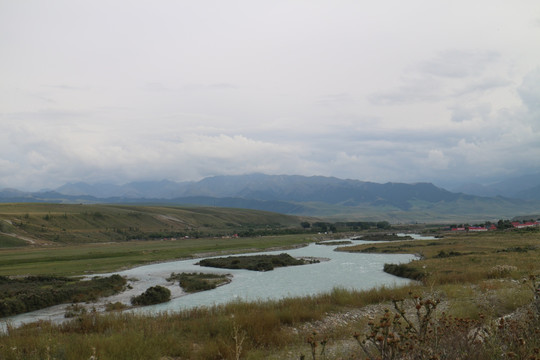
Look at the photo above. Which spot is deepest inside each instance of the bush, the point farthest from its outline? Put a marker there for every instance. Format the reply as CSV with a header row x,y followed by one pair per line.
x,y
153,295
193,282
501,271
404,270
20,295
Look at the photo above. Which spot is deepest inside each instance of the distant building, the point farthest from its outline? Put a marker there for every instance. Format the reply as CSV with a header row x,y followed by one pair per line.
x,y
519,225
477,228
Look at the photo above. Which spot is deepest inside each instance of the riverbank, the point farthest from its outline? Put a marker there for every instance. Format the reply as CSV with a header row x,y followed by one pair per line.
x,y
345,270
474,286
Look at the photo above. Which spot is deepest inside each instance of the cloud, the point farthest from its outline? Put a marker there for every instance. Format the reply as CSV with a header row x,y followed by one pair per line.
x,y
462,113
339,99
339,89
529,91
459,63
414,89
433,80
482,86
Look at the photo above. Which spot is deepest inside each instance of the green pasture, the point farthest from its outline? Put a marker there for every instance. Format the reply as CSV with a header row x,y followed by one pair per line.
x,y
468,257
100,257
72,223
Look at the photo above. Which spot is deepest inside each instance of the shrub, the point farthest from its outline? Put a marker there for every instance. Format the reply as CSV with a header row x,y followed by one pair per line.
x,y
443,254
404,270
74,310
117,306
501,271
20,295
153,295
193,282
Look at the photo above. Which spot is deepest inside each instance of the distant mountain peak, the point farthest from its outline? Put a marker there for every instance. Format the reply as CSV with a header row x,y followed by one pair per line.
x,y
293,194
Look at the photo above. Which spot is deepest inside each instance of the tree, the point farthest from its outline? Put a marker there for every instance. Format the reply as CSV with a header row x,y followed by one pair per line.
x,y
153,295
504,224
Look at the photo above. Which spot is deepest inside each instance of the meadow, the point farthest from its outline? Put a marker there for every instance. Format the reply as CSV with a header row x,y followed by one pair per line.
x,y
68,260
72,239
477,297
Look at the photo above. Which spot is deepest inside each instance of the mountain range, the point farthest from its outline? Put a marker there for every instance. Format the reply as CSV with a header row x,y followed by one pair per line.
x,y
300,195
525,187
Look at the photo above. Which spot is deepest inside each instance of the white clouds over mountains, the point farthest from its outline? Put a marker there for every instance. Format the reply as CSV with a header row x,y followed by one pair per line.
x,y
122,91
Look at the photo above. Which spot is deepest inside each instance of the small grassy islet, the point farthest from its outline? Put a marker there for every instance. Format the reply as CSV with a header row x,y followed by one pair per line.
x,y
255,262
195,282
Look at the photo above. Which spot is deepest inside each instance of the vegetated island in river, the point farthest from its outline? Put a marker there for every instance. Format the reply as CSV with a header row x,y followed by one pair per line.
x,y
256,262
337,242
193,282
383,237
20,295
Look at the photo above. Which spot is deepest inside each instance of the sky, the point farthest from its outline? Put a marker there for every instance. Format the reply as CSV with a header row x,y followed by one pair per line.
x,y
386,91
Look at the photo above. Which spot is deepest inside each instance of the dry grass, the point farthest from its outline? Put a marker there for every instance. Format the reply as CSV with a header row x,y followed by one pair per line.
x,y
480,254
472,296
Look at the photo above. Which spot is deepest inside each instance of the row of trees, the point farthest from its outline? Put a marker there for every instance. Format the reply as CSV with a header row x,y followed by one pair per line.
x,y
501,224
346,226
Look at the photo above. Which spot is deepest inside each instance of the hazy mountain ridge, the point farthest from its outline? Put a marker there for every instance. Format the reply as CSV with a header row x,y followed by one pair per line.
x,y
271,188
143,189
292,194
525,187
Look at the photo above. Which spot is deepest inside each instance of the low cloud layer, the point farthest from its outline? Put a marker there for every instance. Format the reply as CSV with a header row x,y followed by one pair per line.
x,y
410,92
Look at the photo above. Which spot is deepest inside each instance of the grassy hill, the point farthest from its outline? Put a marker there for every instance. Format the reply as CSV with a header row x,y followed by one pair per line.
x,y
27,223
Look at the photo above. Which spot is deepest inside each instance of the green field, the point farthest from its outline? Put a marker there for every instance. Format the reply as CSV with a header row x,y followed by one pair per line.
x,y
66,224
96,258
56,239
469,281
467,257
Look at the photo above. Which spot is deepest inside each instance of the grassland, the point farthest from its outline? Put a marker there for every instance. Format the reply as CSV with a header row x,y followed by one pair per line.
x,y
68,260
474,278
467,257
56,239
68,224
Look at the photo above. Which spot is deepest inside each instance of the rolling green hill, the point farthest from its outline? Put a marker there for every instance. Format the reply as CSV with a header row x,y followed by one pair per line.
x,y
27,223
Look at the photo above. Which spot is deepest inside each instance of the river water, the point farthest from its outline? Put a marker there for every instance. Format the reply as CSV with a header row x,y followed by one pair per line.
x,y
355,271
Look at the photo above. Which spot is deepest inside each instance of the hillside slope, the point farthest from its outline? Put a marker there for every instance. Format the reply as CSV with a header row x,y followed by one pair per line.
x,y
64,223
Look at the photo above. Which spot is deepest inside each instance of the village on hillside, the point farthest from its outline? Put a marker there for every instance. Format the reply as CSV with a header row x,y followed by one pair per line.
x,y
501,225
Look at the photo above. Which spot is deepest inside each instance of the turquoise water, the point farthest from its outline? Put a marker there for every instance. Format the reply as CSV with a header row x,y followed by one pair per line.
x,y
339,269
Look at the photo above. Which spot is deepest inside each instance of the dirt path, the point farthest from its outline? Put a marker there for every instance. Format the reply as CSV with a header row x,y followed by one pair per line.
x,y
29,240
20,237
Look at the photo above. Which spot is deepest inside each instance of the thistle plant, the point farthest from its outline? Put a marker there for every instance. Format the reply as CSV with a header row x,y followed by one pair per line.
x,y
314,344
395,334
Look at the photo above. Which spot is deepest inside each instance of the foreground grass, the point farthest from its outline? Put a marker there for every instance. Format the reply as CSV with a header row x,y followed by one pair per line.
x,y
196,334
270,330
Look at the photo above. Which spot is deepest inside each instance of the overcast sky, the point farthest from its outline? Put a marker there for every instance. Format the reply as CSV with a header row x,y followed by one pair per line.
x,y
403,91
